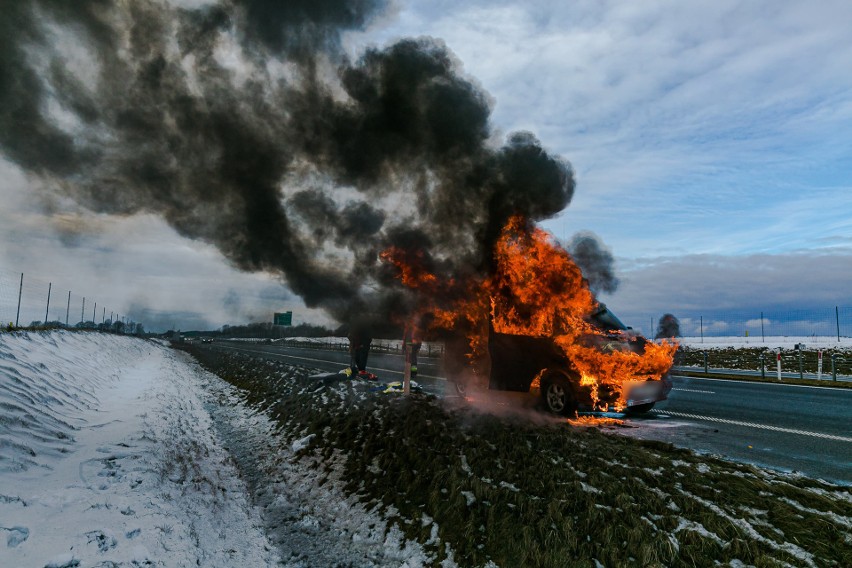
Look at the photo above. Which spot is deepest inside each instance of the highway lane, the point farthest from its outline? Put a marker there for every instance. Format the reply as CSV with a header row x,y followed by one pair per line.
x,y
787,427
806,429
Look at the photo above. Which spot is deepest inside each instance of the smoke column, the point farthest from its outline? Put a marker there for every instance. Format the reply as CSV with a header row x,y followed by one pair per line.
x,y
243,124
595,261
668,328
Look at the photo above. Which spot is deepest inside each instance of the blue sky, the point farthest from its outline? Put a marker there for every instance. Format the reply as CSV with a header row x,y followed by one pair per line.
x,y
711,142
703,127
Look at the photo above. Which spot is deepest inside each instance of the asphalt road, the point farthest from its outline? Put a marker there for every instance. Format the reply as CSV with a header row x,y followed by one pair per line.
x,y
785,427
807,429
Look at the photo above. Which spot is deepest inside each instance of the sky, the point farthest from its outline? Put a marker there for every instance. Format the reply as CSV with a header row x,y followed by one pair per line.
x,y
711,144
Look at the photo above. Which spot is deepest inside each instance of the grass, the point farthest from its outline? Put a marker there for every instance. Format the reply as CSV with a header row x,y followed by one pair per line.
x,y
517,492
749,358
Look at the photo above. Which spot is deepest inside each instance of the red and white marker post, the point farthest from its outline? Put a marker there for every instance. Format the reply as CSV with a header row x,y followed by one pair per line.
x,y
779,363
819,365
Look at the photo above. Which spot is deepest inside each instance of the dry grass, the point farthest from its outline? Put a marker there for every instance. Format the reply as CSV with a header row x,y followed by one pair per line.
x,y
523,494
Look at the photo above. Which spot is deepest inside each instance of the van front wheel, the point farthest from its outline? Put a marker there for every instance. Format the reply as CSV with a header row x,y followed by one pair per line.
x,y
557,395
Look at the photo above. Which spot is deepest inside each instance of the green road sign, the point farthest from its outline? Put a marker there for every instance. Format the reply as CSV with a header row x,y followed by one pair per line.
x,y
285,318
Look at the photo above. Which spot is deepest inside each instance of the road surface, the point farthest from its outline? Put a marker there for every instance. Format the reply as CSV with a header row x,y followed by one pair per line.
x,y
786,427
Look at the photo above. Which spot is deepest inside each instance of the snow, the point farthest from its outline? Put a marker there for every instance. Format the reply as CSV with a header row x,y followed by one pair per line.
x,y
113,455
772,342
108,457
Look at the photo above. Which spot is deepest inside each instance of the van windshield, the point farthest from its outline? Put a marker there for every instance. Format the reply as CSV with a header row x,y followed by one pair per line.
x,y
607,320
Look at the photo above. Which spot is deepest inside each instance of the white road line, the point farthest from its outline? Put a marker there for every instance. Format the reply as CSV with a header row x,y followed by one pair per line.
x,y
694,390
755,425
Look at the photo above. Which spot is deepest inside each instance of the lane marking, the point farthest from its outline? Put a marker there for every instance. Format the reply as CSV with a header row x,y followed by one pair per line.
x,y
748,382
694,390
754,425
274,354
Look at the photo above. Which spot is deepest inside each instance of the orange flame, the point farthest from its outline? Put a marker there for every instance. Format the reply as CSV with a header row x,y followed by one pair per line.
x,y
535,289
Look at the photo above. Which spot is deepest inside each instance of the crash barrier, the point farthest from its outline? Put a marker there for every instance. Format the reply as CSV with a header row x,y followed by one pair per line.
x,y
829,324
35,303
801,362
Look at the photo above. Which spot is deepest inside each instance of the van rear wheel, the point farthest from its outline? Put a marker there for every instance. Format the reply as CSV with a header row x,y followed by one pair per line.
x,y
557,395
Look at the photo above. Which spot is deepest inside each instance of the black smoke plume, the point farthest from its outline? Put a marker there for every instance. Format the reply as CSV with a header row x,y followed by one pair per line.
x,y
595,261
244,124
668,328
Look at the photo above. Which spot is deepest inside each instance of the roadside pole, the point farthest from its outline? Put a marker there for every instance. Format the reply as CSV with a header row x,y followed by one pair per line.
x,y
68,308
819,365
406,372
47,308
779,363
20,291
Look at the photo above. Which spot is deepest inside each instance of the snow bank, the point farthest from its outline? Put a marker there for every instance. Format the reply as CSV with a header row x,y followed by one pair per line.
x,y
109,459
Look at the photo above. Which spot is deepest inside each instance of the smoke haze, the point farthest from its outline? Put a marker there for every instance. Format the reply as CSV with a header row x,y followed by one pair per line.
x,y
244,125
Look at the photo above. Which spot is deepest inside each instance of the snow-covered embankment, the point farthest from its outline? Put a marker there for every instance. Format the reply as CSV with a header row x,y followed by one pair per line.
x,y
108,456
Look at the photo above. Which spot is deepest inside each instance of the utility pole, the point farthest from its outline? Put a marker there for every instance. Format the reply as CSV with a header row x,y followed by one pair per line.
x,y
762,336
93,313
103,317
68,308
836,318
47,309
83,312
702,328
20,291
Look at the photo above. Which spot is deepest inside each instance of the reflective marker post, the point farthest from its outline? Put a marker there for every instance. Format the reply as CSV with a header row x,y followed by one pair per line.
x,y
779,363
819,365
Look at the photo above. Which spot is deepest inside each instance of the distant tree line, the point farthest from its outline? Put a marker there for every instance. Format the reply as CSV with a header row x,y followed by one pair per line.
x,y
270,331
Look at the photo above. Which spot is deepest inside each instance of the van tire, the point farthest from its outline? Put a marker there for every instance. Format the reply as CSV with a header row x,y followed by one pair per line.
x,y
460,388
557,394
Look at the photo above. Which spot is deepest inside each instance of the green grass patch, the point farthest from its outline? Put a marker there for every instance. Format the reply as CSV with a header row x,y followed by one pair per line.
x,y
517,492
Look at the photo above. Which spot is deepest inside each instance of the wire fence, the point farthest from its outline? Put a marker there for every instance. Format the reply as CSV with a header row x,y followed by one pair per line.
x,y
28,302
827,324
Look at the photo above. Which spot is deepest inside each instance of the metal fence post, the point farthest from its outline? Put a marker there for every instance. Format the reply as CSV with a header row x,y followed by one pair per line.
x,y
20,291
47,308
837,321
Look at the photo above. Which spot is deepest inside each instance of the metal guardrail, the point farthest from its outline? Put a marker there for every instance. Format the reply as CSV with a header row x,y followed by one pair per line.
x,y
762,373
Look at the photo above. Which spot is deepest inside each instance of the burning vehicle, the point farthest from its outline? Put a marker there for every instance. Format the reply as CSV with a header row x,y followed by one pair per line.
x,y
537,365
533,325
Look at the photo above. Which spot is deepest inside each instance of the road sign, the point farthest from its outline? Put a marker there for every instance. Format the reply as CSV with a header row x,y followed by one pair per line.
x,y
283,318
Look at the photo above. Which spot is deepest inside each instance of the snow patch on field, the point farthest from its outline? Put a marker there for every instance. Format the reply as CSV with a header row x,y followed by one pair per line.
x,y
109,459
118,451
